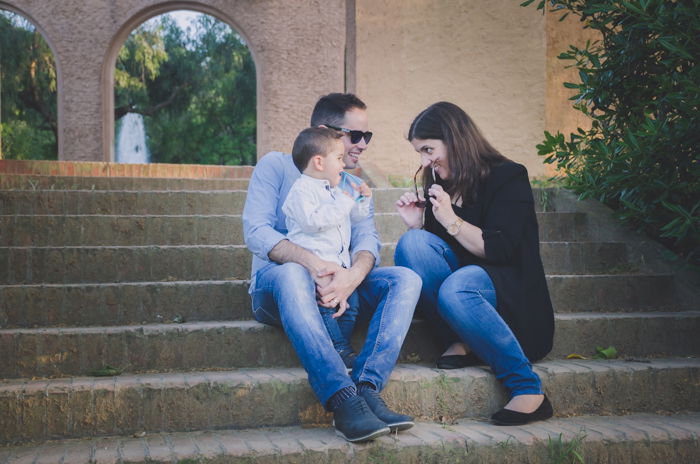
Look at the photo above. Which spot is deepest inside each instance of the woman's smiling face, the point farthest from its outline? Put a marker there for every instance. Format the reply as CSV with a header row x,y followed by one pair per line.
x,y
433,153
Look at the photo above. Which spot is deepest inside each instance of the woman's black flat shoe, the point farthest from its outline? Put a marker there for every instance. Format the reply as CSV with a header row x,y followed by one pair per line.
x,y
509,417
458,361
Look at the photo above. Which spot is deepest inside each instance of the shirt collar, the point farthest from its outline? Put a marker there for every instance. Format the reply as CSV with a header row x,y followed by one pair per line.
x,y
323,183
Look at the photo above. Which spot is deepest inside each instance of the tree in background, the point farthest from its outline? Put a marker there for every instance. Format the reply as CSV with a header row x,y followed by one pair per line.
x,y
196,91
28,116
640,85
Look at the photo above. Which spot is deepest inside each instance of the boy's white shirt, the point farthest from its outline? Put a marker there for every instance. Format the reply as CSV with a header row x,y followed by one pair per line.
x,y
319,218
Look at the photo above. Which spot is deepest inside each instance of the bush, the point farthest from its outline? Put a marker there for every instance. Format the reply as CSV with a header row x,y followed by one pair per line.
x,y
640,86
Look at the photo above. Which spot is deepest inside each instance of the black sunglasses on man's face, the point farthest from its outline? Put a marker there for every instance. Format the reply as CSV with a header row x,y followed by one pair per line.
x,y
355,135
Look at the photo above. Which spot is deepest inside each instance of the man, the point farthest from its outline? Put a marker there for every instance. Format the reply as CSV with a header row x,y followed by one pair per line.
x,y
289,282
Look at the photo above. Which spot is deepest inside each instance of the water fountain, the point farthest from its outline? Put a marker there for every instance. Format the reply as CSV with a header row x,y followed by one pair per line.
x,y
131,140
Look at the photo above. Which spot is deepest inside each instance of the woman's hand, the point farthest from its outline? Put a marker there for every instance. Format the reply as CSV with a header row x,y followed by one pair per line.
x,y
442,205
410,212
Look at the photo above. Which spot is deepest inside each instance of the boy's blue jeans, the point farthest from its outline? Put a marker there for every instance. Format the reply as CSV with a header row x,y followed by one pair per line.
x,y
460,303
340,328
285,295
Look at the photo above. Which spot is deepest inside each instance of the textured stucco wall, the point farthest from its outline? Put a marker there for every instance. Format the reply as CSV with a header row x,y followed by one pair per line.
x,y
487,56
298,49
560,115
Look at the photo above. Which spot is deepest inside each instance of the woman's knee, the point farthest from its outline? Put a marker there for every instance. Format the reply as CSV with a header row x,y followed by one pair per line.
x,y
460,287
411,246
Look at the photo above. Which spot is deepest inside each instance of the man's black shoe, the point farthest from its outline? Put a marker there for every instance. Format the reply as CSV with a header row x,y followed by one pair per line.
x,y
349,357
394,420
354,421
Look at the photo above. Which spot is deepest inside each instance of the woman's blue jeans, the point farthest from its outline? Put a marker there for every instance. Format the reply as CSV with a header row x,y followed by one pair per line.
x,y
285,295
460,303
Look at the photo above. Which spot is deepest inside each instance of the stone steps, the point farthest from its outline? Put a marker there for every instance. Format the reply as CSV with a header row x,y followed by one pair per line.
x,y
105,230
125,303
68,351
96,269
83,264
252,398
630,439
39,182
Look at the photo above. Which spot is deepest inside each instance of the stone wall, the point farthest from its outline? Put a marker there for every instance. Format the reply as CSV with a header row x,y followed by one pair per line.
x,y
494,58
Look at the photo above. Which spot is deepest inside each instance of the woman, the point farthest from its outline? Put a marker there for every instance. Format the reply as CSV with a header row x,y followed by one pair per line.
x,y
475,244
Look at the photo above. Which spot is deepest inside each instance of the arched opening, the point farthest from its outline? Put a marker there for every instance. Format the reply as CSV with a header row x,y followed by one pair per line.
x,y
184,92
28,91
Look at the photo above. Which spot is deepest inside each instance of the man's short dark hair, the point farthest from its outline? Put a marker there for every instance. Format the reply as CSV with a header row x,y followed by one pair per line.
x,y
313,141
331,109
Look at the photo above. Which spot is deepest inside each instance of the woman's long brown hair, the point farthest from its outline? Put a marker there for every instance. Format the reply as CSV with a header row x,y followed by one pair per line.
x,y
469,154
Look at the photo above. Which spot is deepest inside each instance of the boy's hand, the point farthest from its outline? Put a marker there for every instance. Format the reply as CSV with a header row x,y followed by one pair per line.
x,y
342,306
364,190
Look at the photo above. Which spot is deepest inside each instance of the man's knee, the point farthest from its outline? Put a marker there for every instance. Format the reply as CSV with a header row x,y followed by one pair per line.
x,y
294,275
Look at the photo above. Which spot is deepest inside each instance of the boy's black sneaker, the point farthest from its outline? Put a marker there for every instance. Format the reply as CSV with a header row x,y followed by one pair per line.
x,y
354,421
348,357
394,420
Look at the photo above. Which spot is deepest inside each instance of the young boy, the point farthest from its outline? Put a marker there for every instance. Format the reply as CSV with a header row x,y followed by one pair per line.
x,y
319,216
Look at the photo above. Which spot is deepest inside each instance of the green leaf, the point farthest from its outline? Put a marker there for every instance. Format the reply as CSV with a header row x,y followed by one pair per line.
x,y
605,353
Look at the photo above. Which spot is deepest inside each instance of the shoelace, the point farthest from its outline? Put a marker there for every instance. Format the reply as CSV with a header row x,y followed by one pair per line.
x,y
376,397
359,406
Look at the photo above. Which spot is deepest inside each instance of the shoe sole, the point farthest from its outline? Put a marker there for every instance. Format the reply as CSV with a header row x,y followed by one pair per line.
x,y
369,436
401,426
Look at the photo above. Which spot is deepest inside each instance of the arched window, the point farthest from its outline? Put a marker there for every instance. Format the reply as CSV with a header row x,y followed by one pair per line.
x,y
184,92
28,113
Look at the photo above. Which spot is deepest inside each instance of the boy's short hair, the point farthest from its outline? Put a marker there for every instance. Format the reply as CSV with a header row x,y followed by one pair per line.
x,y
331,108
313,141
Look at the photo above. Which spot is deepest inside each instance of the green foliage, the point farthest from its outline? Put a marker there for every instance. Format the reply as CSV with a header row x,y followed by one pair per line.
x,y
196,92
28,115
566,452
605,353
640,85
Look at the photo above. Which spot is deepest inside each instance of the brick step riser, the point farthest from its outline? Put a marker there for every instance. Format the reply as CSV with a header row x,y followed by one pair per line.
x,y
186,347
61,202
106,169
29,182
53,265
208,400
105,230
157,302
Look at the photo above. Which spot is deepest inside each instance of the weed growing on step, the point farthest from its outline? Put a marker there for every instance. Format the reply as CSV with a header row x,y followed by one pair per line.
x,y
546,187
505,445
566,452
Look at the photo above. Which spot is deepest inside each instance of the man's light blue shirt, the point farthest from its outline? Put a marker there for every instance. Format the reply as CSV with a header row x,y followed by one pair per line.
x,y
264,223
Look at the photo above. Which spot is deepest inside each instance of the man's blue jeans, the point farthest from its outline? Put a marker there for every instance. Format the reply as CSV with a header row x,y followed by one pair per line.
x,y
285,295
461,302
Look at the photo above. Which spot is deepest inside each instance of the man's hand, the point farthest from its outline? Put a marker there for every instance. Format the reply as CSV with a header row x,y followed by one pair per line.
x,y
342,283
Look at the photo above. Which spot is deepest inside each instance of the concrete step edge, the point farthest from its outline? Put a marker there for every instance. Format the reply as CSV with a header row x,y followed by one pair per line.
x,y
401,373
255,325
621,439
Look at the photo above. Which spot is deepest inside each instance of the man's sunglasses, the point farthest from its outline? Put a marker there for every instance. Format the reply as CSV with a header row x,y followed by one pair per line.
x,y
355,135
